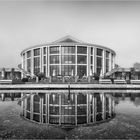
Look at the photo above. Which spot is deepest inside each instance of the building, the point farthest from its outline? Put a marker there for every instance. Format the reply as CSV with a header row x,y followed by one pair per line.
x,y
68,56
9,73
64,106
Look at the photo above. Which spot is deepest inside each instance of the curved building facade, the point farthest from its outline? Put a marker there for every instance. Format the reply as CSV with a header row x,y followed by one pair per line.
x,y
82,108
68,56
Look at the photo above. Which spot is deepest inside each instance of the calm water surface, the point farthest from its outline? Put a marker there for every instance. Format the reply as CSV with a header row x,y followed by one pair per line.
x,y
128,104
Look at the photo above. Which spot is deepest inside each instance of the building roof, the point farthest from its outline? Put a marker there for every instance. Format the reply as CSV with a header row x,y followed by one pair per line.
x,y
67,41
10,69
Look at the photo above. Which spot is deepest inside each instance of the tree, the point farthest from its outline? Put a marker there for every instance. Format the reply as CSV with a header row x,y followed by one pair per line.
x,y
136,65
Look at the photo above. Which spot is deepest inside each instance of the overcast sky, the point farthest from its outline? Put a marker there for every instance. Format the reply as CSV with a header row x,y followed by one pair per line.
x,y
112,24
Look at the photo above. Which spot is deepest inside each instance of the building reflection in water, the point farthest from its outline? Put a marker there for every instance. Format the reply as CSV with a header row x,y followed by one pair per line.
x,y
68,109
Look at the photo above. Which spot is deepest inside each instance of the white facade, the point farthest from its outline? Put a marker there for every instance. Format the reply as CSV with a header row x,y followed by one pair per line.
x,y
68,56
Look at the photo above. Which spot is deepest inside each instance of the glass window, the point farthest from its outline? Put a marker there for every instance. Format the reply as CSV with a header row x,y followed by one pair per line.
x,y
44,70
82,50
36,52
68,59
91,60
68,49
54,50
81,99
54,110
54,59
99,62
24,56
37,65
28,104
54,70
67,70
28,54
44,59
44,50
54,98
107,65
91,50
81,71
29,65
107,54
99,52
81,59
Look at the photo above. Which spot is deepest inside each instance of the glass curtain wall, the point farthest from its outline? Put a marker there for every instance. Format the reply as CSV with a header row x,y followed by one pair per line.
x,y
68,108
81,61
107,61
37,61
68,60
99,61
54,60
29,61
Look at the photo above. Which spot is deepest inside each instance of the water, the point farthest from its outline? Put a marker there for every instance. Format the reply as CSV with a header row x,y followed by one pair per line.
x,y
125,124
128,104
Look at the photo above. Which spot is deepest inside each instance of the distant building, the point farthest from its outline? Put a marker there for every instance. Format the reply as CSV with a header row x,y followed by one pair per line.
x,y
125,73
10,73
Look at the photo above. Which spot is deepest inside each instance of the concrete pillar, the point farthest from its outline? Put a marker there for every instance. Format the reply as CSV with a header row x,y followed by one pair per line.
x,y
93,108
110,61
32,62
94,60
31,106
110,106
60,109
76,60
103,106
75,109
60,63
87,108
103,62
48,108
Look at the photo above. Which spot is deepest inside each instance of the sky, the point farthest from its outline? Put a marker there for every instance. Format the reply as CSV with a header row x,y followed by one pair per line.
x,y
114,24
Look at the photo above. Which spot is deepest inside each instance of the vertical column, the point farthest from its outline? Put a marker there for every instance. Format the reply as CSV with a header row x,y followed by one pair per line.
x,y
110,105
110,61
93,60
40,59
25,107
60,109
103,63
25,61
48,61
31,107
48,108
22,65
75,109
87,108
93,108
95,63
60,63
41,109
88,60
46,96
113,61
76,60
32,62
103,106
22,104
113,106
